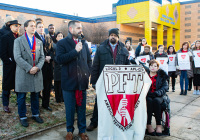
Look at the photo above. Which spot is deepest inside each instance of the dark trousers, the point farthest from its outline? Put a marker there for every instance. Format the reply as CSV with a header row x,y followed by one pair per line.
x,y
173,82
71,107
5,97
46,93
190,83
58,91
154,105
94,119
21,99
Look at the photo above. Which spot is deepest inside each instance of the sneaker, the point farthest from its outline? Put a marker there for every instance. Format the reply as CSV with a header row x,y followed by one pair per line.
x,y
24,122
173,90
198,92
38,119
195,92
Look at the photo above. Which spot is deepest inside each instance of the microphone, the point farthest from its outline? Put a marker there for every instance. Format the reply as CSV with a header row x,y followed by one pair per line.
x,y
79,38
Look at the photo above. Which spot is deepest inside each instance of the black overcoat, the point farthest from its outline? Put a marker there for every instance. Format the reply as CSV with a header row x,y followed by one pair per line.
x,y
9,64
76,66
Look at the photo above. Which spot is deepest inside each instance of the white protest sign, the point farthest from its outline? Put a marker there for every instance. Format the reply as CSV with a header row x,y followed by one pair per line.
x,y
163,63
172,63
183,61
121,92
144,59
131,55
196,59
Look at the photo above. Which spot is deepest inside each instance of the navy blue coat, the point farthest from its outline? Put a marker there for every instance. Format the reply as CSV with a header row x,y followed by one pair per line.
x,y
76,66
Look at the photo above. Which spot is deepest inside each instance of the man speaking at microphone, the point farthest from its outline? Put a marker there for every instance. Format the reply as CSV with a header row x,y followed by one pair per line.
x,y
73,53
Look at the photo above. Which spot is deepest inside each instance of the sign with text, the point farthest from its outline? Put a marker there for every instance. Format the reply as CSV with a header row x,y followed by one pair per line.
x,y
183,61
144,59
163,63
196,59
172,63
121,92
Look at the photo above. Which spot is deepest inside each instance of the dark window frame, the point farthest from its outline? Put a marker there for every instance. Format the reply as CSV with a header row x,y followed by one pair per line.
x,y
187,24
187,18
188,12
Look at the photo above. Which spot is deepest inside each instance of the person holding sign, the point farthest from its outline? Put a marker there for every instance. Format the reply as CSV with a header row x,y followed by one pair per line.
x,y
147,52
185,74
111,51
154,98
171,51
140,47
160,52
196,70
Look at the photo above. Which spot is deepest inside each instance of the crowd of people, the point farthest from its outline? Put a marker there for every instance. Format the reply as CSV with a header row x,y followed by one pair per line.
x,y
33,60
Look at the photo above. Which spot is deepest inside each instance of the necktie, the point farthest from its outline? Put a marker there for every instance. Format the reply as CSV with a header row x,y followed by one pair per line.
x,y
42,38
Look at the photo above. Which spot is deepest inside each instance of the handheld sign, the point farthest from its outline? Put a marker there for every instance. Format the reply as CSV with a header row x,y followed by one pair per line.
x,y
121,92
184,61
144,59
196,59
172,64
163,63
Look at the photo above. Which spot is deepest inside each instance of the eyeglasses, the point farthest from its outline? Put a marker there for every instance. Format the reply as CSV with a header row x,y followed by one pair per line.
x,y
17,25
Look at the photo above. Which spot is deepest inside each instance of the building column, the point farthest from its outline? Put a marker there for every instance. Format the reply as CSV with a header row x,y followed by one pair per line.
x,y
148,32
169,36
159,34
177,39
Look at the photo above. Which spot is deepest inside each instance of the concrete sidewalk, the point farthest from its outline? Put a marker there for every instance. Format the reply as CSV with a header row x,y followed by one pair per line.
x,y
184,122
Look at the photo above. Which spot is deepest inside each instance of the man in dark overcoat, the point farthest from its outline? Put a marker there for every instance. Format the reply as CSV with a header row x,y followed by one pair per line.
x,y
111,51
9,64
73,53
47,69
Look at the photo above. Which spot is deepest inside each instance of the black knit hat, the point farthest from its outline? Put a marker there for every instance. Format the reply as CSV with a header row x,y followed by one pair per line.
x,y
114,30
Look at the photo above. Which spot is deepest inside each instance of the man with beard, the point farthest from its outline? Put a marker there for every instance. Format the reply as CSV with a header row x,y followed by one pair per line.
x,y
9,64
74,55
111,51
51,29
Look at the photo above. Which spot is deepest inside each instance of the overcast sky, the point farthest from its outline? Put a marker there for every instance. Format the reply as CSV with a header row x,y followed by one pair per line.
x,y
84,8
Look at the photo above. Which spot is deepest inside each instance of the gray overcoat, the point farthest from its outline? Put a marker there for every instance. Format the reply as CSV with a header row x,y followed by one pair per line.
x,y
24,81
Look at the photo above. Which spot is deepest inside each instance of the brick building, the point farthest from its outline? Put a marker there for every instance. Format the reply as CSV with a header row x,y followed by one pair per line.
x,y
167,22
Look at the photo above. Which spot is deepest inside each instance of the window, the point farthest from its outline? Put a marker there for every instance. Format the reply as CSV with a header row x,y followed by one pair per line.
x,y
187,30
198,36
198,5
187,36
198,30
187,6
188,24
198,17
198,11
187,12
188,18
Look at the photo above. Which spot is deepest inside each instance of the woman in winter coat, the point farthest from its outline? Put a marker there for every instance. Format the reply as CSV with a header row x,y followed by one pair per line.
x,y
171,51
155,95
196,80
147,52
160,52
185,74
57,72
140,47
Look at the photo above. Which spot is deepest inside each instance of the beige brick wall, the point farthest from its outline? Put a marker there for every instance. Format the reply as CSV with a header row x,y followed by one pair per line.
x,y
194,8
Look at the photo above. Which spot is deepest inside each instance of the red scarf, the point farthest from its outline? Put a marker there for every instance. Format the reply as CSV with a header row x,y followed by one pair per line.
x,y
32,47
78,93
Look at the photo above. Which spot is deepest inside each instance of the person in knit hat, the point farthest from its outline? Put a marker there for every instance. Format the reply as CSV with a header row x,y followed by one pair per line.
x,y
111,51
